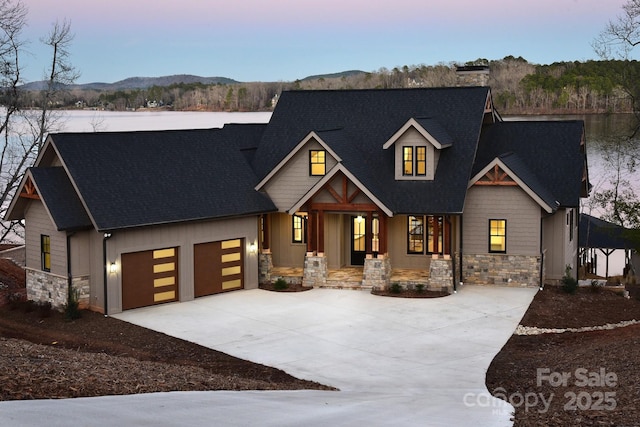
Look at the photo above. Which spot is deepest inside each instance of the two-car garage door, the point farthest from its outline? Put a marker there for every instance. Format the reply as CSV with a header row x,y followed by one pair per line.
x,y
151,277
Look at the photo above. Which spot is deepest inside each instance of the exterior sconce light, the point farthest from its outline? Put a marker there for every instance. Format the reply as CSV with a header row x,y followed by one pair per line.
x,y
253,248
113,268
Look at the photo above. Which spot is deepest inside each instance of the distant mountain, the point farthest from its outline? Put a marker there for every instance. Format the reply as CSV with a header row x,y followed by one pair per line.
x,y
139,83
334,75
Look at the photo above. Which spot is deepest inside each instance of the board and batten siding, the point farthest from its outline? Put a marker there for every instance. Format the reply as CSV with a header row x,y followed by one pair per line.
x,y
560,249
522,213
285,253
183,237
293,181
39,223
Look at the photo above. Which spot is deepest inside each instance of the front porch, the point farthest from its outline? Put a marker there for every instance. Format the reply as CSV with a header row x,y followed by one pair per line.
x,y
351,277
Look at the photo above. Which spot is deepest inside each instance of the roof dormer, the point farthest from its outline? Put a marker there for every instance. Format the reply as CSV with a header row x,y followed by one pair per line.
x,y
418,144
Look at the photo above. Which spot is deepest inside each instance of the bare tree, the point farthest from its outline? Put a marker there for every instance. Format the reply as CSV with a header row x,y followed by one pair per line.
x,y
23,130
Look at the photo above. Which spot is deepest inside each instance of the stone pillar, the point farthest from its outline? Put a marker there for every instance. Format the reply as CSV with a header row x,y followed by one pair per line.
x,y
441,274
377,272
265,266
315,270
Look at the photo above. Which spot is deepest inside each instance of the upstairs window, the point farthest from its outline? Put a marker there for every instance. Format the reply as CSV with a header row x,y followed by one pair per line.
x,y
317,162
299,228
414,161
498,235
45,252
407,161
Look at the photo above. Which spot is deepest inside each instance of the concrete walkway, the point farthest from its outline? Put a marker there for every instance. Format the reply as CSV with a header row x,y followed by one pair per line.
x,y
396,361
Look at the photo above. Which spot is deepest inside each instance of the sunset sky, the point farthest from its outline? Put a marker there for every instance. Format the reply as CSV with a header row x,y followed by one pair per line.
x,y
285,40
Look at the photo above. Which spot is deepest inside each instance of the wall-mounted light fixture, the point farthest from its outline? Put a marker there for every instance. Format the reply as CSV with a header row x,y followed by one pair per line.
x,y
253,248
113,268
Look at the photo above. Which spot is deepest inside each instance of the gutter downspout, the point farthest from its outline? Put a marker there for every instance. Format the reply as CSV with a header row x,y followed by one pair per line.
x,y
104,264
541,253
453,259
69,274
461,248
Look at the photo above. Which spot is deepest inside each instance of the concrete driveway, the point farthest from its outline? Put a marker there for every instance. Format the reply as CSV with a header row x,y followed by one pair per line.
x,y
395,360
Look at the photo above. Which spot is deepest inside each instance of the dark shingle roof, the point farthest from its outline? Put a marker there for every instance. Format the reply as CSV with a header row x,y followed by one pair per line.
x,y
367,119
130,179
598,233
61,199
550,150
513,162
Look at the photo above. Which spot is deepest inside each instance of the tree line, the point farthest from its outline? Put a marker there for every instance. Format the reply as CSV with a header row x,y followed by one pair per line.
x,y
518,86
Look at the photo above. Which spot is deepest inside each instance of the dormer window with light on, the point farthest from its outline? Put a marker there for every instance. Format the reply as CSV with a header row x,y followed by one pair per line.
x,y
418,146
414,160
317,162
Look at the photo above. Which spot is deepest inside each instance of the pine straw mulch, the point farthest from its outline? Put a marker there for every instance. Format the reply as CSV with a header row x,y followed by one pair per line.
x,y
603,366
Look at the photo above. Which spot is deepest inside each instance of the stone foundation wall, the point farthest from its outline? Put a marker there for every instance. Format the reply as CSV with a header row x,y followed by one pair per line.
x,y
83,285
43,286
315,271
376,273
501,269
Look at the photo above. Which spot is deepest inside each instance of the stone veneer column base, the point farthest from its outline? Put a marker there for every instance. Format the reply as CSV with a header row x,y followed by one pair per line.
x,y
501,269
441,274
315,270
265,266
376,273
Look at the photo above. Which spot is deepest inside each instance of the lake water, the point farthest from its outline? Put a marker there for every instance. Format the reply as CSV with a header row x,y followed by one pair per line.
x,y
599,129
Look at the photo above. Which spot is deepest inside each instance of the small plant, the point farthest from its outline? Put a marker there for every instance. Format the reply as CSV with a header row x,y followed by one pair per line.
x,y
595,286
72,307
395,288
569,284
44,309
420,288
280,284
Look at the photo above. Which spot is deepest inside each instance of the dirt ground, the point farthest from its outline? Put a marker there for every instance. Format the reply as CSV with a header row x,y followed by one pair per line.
x,y
573,378
42,355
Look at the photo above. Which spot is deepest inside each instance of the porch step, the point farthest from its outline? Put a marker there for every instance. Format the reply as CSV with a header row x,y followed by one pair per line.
x,y
343,284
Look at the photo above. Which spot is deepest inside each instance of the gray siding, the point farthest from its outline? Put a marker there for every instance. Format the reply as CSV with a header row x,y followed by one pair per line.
x,y
284,252
560,249
39,223
183,237
522,213
292,182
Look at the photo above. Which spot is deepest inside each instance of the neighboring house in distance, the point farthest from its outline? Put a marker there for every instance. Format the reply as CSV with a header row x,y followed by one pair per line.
x,y
426,179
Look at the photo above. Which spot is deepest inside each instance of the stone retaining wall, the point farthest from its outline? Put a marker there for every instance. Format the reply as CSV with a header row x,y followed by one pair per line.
x,y
42,287
501,269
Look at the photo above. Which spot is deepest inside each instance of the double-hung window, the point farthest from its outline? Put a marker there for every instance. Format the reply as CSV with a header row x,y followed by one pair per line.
x,y
317,162
299,228
498,235
45,252
414,161
425,234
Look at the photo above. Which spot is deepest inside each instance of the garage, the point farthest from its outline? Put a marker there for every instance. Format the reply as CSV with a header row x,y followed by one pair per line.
x,y
149,277
218,267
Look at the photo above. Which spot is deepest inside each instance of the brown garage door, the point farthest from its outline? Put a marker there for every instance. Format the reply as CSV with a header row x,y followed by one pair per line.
x,y
149,277
218,267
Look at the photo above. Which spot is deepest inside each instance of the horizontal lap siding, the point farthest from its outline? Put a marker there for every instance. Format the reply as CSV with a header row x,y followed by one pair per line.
x,y
39,223
522,213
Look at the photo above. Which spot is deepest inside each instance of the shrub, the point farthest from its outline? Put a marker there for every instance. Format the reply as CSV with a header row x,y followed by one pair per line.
x,y
395,288
44,309
420,288
72,307
569,284
595,286
280,284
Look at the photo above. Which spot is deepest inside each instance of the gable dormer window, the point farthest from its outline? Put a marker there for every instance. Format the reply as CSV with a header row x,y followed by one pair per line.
x,y
317,162
414,161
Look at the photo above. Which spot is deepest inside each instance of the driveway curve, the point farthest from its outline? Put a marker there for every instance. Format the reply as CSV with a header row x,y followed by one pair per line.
x,y
395,360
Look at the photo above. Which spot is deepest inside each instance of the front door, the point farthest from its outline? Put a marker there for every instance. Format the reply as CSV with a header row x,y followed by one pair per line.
x,y
358,240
